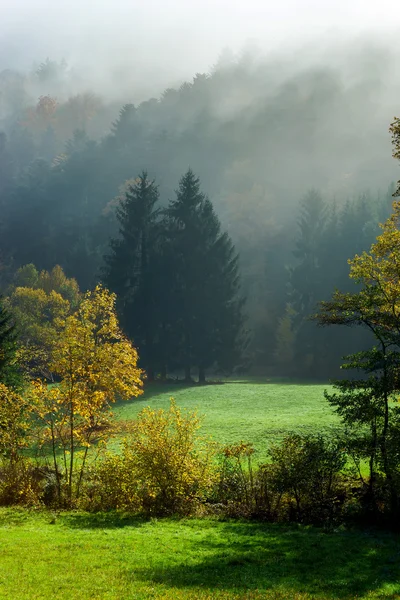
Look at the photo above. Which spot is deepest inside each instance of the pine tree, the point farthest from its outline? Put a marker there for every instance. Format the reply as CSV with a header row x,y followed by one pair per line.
x,y
306,280
132,269
206,291
123,129
9,371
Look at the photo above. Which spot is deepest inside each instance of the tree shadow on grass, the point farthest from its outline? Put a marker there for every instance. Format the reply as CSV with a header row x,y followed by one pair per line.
x,y
271,558
101,520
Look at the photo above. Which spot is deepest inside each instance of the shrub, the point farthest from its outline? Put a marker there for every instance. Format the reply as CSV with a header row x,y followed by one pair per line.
x,y
307,471
165,466
111,484
234,488
242,490
14,423
21,483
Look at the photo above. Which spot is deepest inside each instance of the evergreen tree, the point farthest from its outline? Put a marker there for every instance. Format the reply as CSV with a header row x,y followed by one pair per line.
x,y
305,275
132,268
306,282
208,309
124,128
9,371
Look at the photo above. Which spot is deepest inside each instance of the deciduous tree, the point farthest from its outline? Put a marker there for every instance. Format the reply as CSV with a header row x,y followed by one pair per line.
x,y
96,364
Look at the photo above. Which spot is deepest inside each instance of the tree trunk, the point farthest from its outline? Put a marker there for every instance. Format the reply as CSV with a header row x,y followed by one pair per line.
x,y
163,372
150,374
188,376
202,375
383,445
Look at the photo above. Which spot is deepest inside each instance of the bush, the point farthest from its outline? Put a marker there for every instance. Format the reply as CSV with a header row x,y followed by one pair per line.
x,y
165,466
111,484
234,489
307,471
21,483
241,489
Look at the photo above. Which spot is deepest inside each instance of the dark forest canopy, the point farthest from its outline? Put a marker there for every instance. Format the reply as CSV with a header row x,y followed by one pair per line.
x,y
259,133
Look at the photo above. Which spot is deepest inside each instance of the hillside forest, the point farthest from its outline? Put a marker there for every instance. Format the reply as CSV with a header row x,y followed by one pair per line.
x,y
286,163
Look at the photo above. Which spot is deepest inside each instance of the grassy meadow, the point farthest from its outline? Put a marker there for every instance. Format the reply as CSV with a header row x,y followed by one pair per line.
x,y
256,411
76,556
80,556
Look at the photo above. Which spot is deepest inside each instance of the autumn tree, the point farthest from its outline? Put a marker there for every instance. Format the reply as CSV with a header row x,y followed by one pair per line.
x,y
48,281
96,364
369,401
40,302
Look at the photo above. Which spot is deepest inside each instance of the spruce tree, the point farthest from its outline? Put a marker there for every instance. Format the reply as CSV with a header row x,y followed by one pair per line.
x,y
124,128
132,268
208,315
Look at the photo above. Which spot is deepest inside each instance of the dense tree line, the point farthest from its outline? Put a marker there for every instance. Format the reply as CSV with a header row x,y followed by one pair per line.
x,y
65,163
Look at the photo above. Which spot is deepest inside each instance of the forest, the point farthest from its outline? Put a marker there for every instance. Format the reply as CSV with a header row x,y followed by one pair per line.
x,y
255,132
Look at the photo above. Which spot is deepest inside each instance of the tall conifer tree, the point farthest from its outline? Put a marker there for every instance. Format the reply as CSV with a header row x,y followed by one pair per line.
x,y
132,265
206,288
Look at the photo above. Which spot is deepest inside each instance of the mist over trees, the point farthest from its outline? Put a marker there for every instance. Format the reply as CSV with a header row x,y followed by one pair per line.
x,y
295,160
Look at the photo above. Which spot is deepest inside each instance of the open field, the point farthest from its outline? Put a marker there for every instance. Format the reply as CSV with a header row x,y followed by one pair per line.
x,y
256,411
80,556
75,556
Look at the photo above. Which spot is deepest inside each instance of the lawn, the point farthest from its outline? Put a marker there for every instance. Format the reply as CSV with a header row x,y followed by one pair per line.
x,y
256,411
76,556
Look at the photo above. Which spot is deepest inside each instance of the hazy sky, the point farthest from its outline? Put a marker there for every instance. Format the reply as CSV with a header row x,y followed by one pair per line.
x,y
176,37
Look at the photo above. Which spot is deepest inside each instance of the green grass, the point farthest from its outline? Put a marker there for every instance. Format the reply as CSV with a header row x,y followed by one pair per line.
x,y
109,557
254,411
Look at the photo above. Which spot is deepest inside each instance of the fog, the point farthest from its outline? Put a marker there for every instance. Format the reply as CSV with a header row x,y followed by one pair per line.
x,y
162,42
312,85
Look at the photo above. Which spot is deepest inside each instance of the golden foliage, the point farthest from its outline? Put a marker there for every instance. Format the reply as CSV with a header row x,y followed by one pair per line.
x,y
48,281
379,269
39,317
96,364
14,423
165,467
40,302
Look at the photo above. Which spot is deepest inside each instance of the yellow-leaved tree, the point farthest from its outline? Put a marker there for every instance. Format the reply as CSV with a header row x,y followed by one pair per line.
x,y
39,317
95,364
40,302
